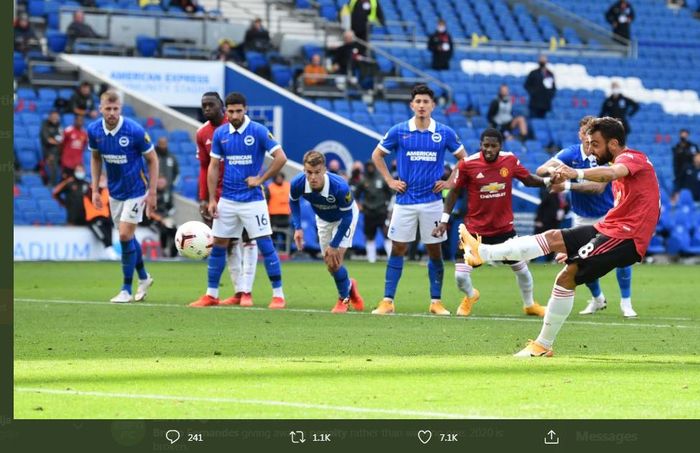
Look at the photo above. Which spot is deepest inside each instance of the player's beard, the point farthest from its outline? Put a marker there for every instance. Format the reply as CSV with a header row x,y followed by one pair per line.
x,y
606,158
236,123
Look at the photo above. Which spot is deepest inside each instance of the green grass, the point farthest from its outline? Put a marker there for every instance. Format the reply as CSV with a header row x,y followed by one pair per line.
x,y
82,357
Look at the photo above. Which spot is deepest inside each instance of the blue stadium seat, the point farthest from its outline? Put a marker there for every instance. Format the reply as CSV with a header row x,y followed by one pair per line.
x,y
147,46
27,160
31,179
178,136
28,94
56,41
281,75
255,60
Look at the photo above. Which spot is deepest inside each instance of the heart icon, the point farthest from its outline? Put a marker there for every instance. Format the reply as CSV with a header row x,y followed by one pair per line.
x,y
424,436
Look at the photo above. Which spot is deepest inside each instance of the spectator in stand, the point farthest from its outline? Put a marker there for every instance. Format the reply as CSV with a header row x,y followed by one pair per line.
x,y
620,15
501,117
277,196
73,143
51,138
356,175
82,101
99,220
144,3
373,196
79,29
162,220
541,87
188,6
346,55
257,38
363,13
440,45
70,192
335,168
168,167
228,51
691,180
619,106
683,154
25,36
314,69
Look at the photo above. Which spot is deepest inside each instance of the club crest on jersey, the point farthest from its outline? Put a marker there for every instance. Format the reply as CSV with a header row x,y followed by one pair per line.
x,y
436,137
330,199
249,140
503,172
124,141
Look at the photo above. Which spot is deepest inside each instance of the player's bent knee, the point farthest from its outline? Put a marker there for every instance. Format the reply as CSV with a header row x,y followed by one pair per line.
x,y
567,277
555,240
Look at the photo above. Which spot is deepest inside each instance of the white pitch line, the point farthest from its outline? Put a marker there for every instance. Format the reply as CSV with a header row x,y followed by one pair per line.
x,y
327,407
501,318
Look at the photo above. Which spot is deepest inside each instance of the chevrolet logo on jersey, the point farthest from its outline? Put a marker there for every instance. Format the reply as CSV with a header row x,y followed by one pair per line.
x,y
493,187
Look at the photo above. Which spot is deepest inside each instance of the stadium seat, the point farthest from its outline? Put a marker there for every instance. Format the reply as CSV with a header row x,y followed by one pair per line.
x,y
281,75
147,46
255,60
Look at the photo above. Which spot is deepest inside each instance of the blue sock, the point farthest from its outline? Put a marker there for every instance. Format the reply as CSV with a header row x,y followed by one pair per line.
x,y
393,275
215,266
140,268
436,270
624,279
272,261
128,263
342,282
594,286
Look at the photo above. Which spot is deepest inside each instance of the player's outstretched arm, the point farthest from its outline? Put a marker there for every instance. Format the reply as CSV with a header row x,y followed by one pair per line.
x,y
598,174
546,168
535,181
378,159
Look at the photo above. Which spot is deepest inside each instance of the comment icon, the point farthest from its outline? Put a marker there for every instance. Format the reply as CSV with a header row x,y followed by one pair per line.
x,y
172,435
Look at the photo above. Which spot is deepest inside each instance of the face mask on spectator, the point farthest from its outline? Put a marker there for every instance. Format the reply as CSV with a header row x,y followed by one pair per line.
x,y
79,174
441,29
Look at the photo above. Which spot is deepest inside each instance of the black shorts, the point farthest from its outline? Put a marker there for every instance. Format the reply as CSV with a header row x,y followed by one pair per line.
x,y
373,221
499,239
595,253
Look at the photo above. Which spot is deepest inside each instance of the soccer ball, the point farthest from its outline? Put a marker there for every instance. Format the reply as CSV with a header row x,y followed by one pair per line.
x,y
194,240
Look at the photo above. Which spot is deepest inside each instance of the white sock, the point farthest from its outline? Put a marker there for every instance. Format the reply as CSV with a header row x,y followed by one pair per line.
x,y
626,301
463,277
234,265
601,298
250,265
371,247
213,292
522,248
525,283
558,309
277,292
387,247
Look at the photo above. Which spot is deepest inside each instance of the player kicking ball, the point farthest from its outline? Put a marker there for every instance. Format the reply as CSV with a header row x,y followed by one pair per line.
x,y
241,146
620,239
488,178
336,217
590,201
123,145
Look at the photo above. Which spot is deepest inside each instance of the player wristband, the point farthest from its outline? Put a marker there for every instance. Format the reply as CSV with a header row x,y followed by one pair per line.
x,y
567,185
547,181
579,175
445,218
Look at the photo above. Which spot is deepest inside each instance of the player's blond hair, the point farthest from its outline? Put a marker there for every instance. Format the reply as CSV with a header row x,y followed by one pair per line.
x,y
110,97
314,158
585,121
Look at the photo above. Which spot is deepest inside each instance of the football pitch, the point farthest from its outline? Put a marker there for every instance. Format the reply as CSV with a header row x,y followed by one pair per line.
x,y
78,356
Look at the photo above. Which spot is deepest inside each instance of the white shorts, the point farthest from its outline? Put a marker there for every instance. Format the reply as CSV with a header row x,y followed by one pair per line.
x,y
235,215
129,211
577,220
407,218
327,230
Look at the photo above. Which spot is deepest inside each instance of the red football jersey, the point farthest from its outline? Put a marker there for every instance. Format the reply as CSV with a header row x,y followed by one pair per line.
x,y
203,138
490,192
74,143
637,203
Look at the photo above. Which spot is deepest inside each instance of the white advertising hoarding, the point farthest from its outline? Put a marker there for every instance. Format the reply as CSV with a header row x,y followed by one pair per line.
x,y
37,243
176,83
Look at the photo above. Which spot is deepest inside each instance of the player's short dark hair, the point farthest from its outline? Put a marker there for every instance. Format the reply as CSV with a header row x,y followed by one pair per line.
x,y
235,98
585,120
491,132
422,88
609,128
213,94
314,158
